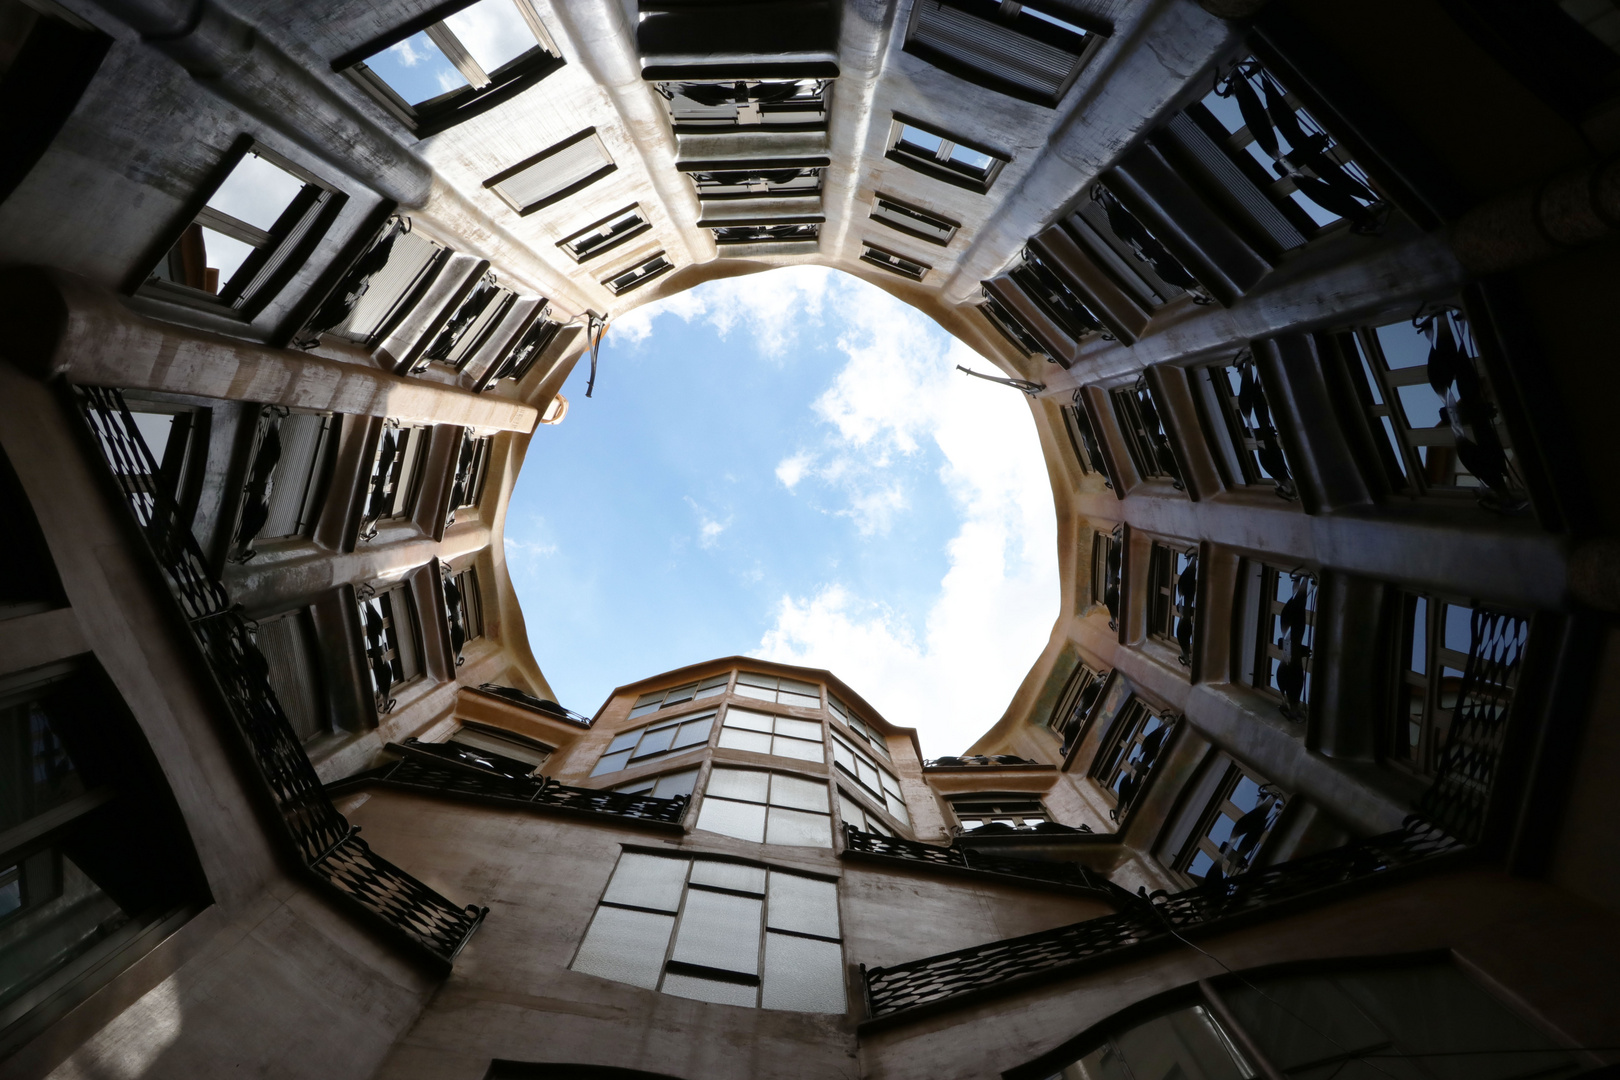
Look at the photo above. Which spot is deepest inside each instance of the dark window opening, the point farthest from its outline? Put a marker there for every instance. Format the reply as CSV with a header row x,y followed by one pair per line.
x,y
464,609
1284,635
807,231
1009,325
1083,438
944,157
638,275
746,180
1107,558
285,488
1053,296
395,474
895,264
1145,435
1255,445
475,320
793,104
1129,755
605,235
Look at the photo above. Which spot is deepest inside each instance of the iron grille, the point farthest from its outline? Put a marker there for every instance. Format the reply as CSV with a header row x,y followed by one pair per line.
x,y
877,845
323,839
1147,922
419,772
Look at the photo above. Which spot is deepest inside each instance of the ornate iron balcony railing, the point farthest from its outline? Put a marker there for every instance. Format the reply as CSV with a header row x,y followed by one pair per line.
x,y
422,772
539,704
876,845
983,761
1146,922
323,840
1451,819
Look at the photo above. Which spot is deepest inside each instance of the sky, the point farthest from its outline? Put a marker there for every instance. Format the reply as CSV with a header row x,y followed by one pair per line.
x,y
787,465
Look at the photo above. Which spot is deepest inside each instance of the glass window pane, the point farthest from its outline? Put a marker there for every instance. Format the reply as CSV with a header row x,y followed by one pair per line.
x,y
224,254
643,710
869,775
672,784
758,692
1423,406
747,718
649,881
794,686
1459,627
798,828
625,946
805,905
920,139
897,809
753,678
611,763
493,31
745,821
971,158
802,975
1404,345
852,812
416,70
891,783
655,742
737,739
798,748
711,990
693,732
799,729
729,875
749,784
256,192
802,701
1184,1043
719,930
798,793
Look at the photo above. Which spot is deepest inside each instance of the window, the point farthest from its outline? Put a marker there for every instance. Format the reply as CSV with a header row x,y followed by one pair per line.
x,y
779,689
504,752
638,275
464,609
286,484
701,107
440,69
1173,597
1436,638
913,220
664,786
472,463
1406,1019
474,320
1313,172
1083,437
93,859
1028,51
1107,557
395,470
1145,435
665,737
853,813
1284,635
1123,245
1049,292
895,264
784,736
257,228
1014,810
859,727
553,174
766,807
943,157
527,350
1233,828
1010,326
177,437
803,232
1129,754
876,781
1080,694
393,644
1254,453
605,235
382,287
727,932
292,655
1436,424
752,179
713,686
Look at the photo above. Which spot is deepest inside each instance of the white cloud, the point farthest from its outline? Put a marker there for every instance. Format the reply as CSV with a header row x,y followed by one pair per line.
x,y
407,54
709,529
772,306
791,470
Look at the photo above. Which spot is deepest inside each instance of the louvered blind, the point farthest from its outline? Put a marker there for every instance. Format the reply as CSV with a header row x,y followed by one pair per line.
x,y
552,174
996,50
1224,172
408,260
288,645
294,500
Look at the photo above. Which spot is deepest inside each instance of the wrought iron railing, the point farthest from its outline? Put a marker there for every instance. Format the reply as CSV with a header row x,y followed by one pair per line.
x,y
1451,819
1145,923
322,838
876,845
983,761
425,773
539,704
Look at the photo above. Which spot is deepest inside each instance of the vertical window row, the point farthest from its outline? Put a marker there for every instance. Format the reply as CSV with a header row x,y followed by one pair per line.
x,y
881,785
783,736
766,807
667,737
393,641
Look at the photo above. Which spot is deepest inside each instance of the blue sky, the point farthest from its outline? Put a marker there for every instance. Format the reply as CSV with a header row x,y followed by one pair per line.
x,y
786,465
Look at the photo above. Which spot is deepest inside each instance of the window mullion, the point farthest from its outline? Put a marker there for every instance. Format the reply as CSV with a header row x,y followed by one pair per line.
x,y
445,38
233,227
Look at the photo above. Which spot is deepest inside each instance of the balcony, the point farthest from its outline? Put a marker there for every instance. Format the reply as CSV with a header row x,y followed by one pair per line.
x,y
959,859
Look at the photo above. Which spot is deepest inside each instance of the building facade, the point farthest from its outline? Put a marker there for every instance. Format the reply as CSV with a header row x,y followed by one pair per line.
x,y
1314,778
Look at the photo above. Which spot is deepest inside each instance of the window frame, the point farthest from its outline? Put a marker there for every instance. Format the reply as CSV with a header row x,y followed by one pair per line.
x,y
493,184
893,213
881,795
1267,613
757,120
1166,606
1249,433
1009,325
641,731
1088,452
1108,568
938,163
702,690
392,612
895,263
634,277
772,774
704,178
1025,818
853,723
288,245
569,244
1026,25
1115,761
776,733
439,113
402,485
1220,805
1150,448
767,232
